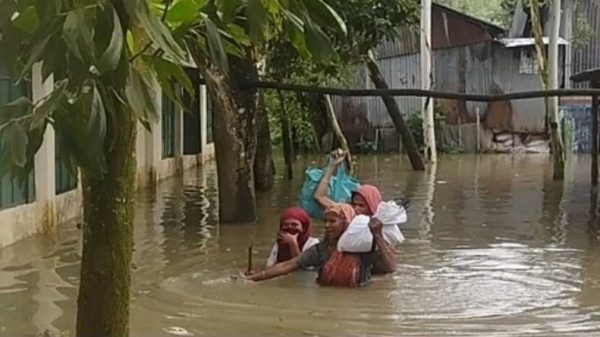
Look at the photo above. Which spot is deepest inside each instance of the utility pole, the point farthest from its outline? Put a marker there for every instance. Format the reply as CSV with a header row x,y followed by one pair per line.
x,y
553,81
567,33
426,76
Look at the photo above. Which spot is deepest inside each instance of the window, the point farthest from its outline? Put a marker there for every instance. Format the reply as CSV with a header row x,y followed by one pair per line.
x,y
14,190
209,119
65,179
192,141
528,63
168,127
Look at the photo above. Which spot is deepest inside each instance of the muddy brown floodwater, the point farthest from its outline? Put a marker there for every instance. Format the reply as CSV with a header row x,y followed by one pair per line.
x,y
494,248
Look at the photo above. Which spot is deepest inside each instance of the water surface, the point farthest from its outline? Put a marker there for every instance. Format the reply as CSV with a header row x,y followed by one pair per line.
x,y
494,248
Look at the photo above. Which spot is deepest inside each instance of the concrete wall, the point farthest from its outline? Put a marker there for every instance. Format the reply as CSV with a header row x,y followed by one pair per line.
x,y
49,210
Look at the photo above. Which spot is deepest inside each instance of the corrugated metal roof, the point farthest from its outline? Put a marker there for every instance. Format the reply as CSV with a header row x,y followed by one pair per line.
x,y
527,41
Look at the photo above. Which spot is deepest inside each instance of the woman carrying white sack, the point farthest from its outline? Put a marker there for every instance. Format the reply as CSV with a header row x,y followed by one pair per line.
x,y
358,238
366,202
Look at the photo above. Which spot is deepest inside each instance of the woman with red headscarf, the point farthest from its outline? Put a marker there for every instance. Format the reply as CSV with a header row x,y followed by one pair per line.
x,y
294,236
365,201
335,268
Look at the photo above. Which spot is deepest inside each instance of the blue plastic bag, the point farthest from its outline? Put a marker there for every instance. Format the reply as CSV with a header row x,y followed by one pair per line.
x,y
341,186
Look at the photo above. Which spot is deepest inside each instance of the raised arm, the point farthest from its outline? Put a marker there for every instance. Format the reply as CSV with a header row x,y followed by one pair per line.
x,y
279,269
322,189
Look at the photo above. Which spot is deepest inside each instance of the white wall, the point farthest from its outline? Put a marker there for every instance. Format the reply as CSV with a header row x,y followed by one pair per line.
x,y
50,210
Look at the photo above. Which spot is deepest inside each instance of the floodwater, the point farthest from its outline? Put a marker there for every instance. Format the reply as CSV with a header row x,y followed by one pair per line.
x,y
494,248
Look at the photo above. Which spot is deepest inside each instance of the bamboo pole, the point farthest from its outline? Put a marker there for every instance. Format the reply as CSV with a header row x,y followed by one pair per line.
x,y
429,150
383,92
558,153
335,126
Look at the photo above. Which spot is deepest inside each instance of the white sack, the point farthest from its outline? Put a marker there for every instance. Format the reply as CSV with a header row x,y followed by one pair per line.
x,y
358,238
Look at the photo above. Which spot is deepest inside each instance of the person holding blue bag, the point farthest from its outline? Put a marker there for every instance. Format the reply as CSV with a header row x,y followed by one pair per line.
x,y
334,182
364,199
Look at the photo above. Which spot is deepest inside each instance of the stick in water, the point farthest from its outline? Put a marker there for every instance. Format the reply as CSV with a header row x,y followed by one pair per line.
x,y
250,257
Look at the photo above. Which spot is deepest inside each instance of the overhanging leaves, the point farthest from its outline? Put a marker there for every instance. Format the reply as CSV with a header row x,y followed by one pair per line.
x,y
215,46
257,19
140,100
112,55
27,20
160,35
324,15
78,36
48,105
15,139
97,122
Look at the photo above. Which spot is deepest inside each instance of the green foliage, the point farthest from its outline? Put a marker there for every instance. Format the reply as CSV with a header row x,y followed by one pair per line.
x,y
83,45
582,31
498,12
222,28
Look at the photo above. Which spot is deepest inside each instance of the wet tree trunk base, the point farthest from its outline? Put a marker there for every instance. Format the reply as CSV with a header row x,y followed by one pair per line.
x,y
103,301
264,167
234,130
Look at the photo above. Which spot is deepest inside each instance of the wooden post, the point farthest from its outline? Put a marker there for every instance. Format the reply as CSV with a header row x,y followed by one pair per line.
x,y
393,109
335,126
595,142
459,133
286,134
478,121
427,103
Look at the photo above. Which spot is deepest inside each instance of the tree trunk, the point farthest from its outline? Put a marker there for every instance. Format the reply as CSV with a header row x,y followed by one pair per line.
x,y
335,127
103,302
394,111
234,133
286,134
264,168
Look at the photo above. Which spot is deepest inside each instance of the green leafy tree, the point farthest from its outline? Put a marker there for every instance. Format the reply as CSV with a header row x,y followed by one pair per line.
x,y
228,40
101,91
368,23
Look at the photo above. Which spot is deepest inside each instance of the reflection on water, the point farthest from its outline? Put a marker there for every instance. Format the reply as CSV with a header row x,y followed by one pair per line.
x,y
494,247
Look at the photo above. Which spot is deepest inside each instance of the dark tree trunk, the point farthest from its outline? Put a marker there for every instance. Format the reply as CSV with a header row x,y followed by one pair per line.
x,y
234,131
394,111
103,301
264,168
286,134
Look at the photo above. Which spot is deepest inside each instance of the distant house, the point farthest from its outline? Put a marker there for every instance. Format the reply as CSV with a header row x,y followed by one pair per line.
x,y
580,58
469,56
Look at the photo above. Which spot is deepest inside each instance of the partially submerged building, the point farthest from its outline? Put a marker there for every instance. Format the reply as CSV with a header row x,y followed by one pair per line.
x,y
52,194
469,56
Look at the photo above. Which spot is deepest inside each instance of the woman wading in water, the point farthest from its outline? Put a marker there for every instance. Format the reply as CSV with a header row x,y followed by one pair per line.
x,y
294,236
365,201
335,268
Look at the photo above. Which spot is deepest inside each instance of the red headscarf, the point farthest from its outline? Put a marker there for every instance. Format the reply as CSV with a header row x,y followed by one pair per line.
x,y
298,214
371,195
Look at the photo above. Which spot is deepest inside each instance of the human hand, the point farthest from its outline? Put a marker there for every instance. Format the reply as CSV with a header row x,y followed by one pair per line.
x,y
376,227
253,275
338,156
286,238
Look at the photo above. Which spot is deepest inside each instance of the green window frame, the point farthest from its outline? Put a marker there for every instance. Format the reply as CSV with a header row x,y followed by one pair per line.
x,y
64,179
168,127
209,120
14,191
